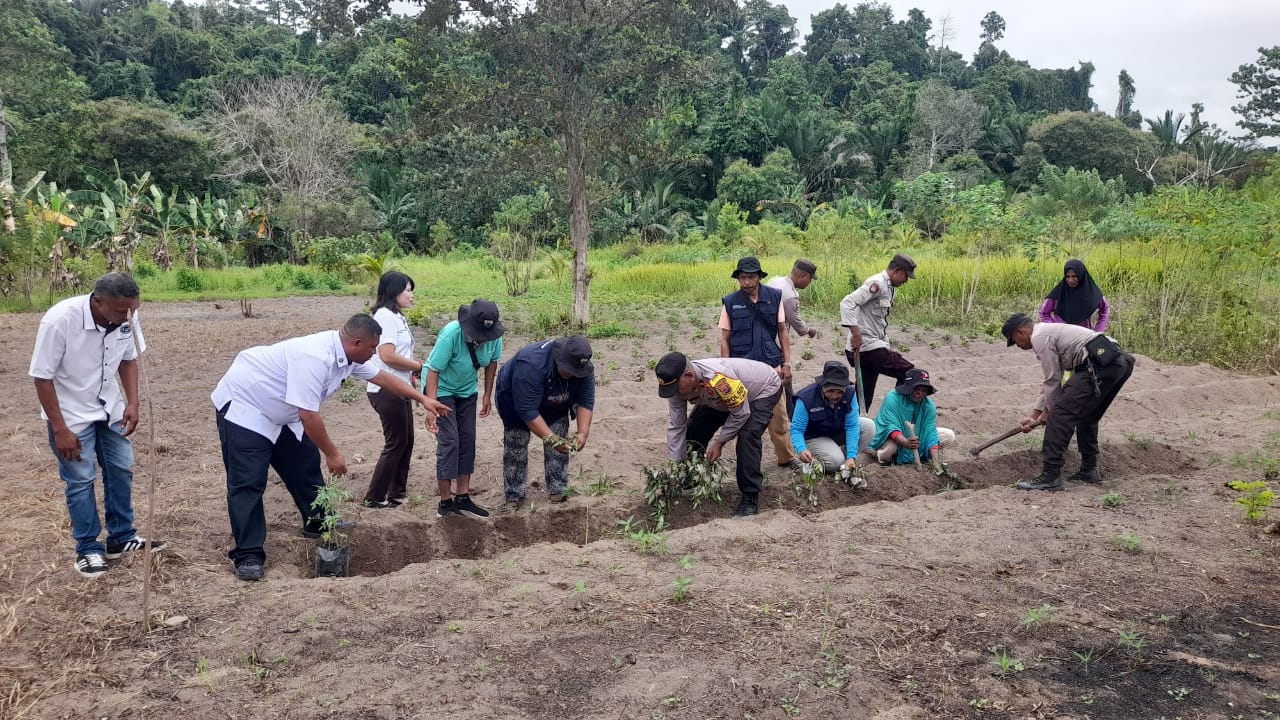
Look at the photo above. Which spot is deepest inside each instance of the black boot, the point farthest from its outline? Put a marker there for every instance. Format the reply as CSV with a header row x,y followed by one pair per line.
x,y
1090,475
749,506
1044,481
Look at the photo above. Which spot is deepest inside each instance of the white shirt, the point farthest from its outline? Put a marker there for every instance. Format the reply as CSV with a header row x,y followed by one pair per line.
x,y
868,307
1058,347
267,385
790,303
82,359
395,331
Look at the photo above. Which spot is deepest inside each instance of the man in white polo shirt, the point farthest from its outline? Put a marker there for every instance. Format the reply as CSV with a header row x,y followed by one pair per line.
x,y
82,344
268,416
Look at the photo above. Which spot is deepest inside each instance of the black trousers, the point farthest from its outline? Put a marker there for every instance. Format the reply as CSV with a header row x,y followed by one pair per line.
x,y
705,421
1078,411
390,478
881,361
246,455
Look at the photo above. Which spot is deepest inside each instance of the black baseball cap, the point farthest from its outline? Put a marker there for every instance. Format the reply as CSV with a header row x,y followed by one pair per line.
x,y
904,261
573,356
915,378
806,266
669,369
1014,322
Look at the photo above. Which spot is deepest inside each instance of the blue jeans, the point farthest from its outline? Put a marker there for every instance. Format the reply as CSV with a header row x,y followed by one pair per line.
x,y
115,456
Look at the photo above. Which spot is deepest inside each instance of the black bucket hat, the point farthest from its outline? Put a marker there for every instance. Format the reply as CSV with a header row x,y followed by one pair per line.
x,y
749,264
480,322
915,378
834,372
573,357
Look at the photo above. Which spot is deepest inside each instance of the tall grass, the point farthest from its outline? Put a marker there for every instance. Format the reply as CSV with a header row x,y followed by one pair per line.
x,y
1170,300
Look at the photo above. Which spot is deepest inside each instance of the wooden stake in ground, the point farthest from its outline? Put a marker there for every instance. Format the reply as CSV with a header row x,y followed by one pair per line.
x,y
149,530
915,452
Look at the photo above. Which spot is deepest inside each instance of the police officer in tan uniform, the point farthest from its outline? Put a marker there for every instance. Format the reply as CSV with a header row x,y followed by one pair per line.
x,y
865,313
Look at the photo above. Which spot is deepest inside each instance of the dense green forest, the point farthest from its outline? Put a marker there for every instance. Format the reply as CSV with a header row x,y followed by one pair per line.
x,y
152,135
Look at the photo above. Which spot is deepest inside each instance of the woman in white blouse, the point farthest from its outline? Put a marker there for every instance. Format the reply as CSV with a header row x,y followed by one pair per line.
x,y
389,485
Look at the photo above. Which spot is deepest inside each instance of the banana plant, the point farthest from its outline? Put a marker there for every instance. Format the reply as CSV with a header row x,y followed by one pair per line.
x,y
162,216
110,215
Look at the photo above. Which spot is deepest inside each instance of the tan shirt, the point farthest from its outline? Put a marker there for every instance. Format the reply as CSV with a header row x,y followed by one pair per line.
x,y
726,384
1058,347
868,307
790,303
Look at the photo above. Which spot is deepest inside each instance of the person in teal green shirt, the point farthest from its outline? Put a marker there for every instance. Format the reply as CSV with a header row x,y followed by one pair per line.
x,y
910,405
471,342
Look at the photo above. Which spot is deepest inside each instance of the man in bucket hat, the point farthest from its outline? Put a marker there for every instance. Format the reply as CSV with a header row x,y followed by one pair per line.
x,y
826,424
753,326
732,398
543,386
471,342
895,442
865,313
1100,368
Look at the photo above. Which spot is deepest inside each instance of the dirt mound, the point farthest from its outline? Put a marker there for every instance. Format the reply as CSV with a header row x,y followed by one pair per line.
x,y
919,597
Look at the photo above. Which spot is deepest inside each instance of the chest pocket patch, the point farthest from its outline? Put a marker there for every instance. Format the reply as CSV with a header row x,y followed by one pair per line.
x,y
729,391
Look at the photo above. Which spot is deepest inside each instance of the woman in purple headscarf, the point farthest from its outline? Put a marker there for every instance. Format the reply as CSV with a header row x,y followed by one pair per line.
x,y
1076,299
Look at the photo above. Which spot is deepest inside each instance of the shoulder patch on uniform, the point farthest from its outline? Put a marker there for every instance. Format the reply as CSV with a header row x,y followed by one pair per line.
x,y
875,288
730,391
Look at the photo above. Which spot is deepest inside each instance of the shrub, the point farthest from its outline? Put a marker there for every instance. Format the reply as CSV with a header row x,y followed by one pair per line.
x,y
188,280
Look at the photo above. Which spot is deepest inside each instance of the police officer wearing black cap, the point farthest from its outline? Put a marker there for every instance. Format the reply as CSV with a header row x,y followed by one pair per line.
x,y
542,386
1099,369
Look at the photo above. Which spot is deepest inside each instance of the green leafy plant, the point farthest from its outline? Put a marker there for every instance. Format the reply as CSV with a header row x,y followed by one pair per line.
x,y
648,542
811,476
1256,498
1131,641
1128,542
328,507
1038,615
1084,658
1004,662
1112,499
701,480
680,588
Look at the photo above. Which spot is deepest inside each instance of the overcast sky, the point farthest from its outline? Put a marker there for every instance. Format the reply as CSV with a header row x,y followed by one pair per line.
x,y
1178,51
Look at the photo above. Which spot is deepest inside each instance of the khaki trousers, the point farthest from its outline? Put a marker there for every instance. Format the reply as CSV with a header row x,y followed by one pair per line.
x,y
780,432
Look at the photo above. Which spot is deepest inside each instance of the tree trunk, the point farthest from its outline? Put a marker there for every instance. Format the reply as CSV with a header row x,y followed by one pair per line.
x,y
579,224
6,173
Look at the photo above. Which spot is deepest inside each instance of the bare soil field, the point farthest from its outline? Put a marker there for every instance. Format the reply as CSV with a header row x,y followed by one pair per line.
x,y
908,600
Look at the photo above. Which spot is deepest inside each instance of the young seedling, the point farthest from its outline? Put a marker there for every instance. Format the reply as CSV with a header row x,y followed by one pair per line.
x,y
1128,542
1037,615
1085,659
680,588
1256,498
854,477
1004,662
1131,641
555,442
1112,499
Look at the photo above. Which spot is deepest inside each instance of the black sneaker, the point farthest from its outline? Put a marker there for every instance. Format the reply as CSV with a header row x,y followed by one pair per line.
x,y
398,501
375,504
91,565
115,550
249,570
449,507
1043,481
464,504
315,534
1091,476
749,505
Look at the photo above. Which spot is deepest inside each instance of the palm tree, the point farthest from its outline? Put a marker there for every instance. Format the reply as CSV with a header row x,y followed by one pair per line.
x,y
1168,130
